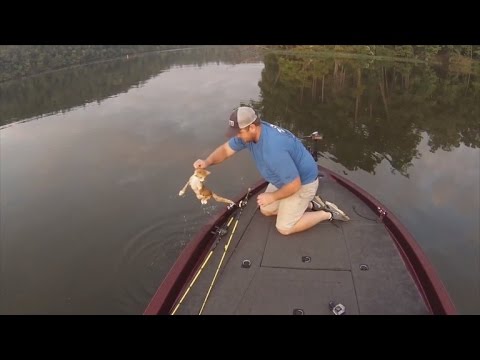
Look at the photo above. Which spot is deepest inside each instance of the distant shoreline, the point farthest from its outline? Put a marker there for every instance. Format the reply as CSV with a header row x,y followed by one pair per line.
x,y
97,61
305,51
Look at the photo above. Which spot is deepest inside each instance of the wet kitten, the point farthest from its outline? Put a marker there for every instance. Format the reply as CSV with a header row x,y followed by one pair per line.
x,y
203,193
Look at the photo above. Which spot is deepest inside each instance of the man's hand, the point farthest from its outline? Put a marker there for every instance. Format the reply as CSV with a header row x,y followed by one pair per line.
x,y
200,164
221,153
265,199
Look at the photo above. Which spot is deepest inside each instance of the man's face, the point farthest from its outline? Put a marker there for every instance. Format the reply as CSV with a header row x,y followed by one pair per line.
x,y
247,134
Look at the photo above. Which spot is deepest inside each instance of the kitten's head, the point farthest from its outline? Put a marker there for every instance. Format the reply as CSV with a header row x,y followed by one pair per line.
x,y
201,173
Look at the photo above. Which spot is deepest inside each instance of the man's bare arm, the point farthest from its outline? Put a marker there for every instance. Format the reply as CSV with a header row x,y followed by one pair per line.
x,y
287,189
220,154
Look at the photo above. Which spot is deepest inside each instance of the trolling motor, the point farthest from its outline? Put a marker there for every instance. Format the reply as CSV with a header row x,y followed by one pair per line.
x,y
315,136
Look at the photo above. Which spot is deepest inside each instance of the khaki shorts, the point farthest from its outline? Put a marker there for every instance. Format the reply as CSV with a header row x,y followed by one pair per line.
x,y
291,209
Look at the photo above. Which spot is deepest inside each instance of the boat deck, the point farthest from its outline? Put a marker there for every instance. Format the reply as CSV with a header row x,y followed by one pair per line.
x,y
356,264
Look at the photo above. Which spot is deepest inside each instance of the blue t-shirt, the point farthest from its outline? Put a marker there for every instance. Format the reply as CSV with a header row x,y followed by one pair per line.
x,y
280,157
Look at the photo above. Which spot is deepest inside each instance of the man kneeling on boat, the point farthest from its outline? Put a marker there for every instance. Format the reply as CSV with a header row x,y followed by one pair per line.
x,y
286,164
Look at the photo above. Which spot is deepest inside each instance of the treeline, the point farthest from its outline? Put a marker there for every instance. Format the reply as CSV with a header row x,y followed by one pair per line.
x,y
436,53
24,60
372,111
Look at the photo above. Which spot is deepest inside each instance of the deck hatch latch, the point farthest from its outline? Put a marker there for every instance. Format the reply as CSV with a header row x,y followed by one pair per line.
x,y
246,264
337,309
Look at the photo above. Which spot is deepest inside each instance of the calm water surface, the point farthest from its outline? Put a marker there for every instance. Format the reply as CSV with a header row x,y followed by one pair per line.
x,y
92,159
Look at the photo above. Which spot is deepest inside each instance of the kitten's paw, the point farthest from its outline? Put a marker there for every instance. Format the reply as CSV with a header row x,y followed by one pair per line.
x,y
204,202
181,193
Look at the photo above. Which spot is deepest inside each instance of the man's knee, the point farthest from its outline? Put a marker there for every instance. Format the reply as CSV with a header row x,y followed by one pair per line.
x,y
284,230
266,212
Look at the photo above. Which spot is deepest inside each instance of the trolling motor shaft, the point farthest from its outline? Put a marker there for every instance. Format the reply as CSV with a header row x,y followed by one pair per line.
x,y
315,136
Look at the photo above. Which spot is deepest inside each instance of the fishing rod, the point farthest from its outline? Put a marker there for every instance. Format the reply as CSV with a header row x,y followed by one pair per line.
x,y
220,232
241,205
